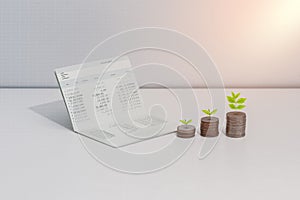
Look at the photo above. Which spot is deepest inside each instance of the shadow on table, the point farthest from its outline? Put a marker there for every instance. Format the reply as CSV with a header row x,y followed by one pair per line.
x,y
55,111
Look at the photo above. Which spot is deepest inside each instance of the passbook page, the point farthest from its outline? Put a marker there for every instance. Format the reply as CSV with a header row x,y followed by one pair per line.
x,y
101,95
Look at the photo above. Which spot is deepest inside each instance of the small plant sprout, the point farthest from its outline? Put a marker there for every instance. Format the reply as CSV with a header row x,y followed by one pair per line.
x,y
210,112
235,102
185,122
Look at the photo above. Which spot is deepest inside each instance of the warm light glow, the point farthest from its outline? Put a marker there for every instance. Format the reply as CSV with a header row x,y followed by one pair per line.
x,y
253,42
282,20
289,13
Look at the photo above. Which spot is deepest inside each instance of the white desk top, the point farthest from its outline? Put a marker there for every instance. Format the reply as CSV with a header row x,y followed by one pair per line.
x,y
41,159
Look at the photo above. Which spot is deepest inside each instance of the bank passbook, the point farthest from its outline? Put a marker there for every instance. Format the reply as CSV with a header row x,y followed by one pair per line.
x,y
104,103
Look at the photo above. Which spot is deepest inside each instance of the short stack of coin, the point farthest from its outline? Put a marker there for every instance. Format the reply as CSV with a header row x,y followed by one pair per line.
x,y
236,124
186,131
209,127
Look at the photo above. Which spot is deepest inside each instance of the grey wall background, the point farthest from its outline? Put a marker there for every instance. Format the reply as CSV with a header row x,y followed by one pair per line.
x,y
254,43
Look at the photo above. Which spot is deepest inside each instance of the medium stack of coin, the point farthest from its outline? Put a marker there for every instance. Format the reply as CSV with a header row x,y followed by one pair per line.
x,y
186,131
236,124
209,127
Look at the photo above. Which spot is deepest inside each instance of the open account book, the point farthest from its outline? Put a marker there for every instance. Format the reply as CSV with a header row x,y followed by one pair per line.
x,y
104,103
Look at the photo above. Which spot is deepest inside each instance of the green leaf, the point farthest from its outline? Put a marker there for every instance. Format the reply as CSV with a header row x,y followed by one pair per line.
x,y
240,107
233,95
237,95
230,99
232,106
241,100
214,111
183,121
206,112
189,121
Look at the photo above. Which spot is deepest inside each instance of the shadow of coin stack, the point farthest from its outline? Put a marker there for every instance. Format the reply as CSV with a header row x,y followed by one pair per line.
x,y
236,124
209,127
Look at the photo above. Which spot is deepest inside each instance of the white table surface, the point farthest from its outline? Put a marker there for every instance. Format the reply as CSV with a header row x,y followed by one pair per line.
x,y
42,159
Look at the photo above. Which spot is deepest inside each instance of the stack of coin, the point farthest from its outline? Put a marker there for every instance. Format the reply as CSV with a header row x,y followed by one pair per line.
x,y
186,131
209,127
236,124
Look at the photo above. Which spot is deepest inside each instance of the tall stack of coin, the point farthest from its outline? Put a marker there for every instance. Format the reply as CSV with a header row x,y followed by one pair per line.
x,y
236,124
186,131
209,127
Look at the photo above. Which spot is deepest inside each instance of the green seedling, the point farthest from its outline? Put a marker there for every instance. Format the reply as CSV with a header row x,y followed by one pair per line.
x,y
209,112
235,102
185,122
